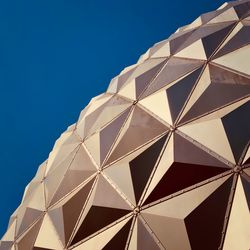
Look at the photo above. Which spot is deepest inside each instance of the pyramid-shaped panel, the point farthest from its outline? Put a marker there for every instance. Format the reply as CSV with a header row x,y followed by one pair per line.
x,y
161,160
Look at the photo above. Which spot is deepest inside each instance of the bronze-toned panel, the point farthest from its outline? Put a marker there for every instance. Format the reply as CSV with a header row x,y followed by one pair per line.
x,y
145,79
27,241
179,92
72,209
239,40
109,134
145,240
158,161
142,166
212,41
204,225
242,9
174,69
97,218
120,239
238,135
143,127
246,186
181,176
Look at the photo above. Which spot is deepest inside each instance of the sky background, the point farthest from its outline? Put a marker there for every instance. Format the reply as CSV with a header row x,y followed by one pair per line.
x,y
55,55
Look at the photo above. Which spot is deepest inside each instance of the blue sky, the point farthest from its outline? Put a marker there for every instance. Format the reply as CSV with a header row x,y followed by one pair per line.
x,y
56,55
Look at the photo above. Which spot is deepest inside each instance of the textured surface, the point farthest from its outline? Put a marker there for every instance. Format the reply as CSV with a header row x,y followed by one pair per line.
x,y
159,161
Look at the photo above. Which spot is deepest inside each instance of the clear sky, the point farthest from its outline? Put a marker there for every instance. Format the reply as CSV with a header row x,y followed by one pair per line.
x,y
57,54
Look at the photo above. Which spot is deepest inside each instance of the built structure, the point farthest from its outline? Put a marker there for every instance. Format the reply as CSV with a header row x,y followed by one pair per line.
x,y
159,161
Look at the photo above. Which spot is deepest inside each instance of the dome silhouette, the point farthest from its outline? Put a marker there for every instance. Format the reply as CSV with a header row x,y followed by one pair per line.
x,y
161,160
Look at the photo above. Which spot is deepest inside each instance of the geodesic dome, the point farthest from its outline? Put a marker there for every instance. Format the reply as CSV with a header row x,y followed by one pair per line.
x,y
159,161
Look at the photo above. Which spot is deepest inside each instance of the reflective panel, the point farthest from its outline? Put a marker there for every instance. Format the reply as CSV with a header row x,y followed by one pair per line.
x,y
161,160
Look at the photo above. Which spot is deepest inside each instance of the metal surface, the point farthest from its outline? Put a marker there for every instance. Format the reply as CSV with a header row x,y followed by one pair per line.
x,y
159,161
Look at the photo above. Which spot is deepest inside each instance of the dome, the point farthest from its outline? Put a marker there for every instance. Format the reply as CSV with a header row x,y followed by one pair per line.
x,y
161,160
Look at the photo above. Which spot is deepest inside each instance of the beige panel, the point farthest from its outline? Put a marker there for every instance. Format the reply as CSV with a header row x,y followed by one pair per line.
x,y
29,190
247,171
63,137
14,214
61,150
158,104
87,207
226,16
247,156
37,200
238,229
166,230
93,146
82,161
146,238
71,128
168,85
40,172
178,80
200,87
126,143
109,114
10,234
223,6
133,239
128,68
145,67
144,57
164,51
70,195
221,112
93,106
237,60
216,132
53,180
196,23
26,217
231,35
112,88
246,18
80,126
120,175
165,163
101,239
114,200
179,207
135,153
124,129
129,90
166,217
47,231
56,217
20,225
195,51
96,103
98,97
27,240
